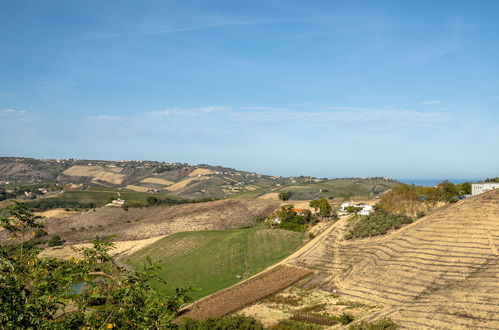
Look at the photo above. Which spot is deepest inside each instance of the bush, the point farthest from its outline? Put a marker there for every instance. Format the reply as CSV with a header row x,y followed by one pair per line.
x,y
219,323
294,325
285,195
345,318
39,233
383,324
52,203
55,241
378,223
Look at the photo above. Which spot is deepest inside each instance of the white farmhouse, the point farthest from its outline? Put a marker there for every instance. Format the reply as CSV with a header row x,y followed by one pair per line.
x,y
366,210
479,188
118,202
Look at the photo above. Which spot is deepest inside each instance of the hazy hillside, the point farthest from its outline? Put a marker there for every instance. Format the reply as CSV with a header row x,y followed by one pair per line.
x,y
142,223
439,272
184,180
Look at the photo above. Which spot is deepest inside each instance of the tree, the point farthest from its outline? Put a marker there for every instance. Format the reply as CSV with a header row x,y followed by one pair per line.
x,y
322,206
285,195
464,188
37,293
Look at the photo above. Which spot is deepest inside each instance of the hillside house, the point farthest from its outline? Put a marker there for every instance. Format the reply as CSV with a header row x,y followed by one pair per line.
x,y
118,202
479,188
300,211
364,209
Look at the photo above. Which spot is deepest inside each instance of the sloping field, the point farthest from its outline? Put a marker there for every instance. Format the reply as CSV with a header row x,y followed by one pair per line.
x,y
201,171
157,181
254,289
97,173
439,272
142,223
183,183
137,188
213,260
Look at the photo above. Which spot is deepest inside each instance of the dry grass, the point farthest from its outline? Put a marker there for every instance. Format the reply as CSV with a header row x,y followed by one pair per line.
x,y
148,222
121,249
137,188
440,272
201,171
183,183
296,301
157,181
97,173
57,213
272,196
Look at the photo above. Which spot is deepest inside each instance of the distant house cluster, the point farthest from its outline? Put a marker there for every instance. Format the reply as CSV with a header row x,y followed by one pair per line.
x,y
479,188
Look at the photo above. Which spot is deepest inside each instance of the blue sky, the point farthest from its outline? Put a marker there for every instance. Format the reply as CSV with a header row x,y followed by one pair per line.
x,y
407,89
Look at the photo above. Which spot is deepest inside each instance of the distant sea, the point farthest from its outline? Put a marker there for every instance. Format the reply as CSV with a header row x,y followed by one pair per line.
x,y
434,182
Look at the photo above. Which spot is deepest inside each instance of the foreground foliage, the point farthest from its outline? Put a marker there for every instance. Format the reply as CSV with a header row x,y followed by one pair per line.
x,y
222,323
383,324
38,293
378,223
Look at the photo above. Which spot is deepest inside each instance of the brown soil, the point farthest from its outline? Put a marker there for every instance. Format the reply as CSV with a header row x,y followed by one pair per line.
x,y
245,293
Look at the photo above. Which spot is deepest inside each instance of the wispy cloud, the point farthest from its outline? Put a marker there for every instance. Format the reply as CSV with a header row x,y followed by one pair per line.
x,y
189,112
13,114
430,102
209,24
342,114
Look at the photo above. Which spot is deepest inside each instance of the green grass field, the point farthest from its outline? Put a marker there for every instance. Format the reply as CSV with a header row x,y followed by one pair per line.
x,y
211,260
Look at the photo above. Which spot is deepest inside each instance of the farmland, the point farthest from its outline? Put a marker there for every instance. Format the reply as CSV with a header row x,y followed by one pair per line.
x,y
154,221
439,272
213,260
183,180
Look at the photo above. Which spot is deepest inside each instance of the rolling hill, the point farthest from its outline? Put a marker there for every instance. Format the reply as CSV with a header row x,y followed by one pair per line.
x,y
178,179
154,221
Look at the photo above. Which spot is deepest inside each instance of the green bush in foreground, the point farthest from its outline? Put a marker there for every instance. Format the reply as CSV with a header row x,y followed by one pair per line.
x,y
222,323
39,293
294,325
383,324
378,223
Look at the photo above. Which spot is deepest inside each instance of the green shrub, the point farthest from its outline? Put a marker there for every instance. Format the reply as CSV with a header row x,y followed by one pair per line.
x,y
40,233
55,241
222,323
383,324
294,325
378,223
345,318
53,203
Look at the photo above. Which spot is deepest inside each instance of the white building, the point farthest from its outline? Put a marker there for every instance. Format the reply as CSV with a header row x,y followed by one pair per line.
x,y
118,202
479,188
366,210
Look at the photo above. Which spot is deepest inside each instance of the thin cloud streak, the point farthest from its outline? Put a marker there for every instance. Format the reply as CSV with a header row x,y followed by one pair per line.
x,y
200,27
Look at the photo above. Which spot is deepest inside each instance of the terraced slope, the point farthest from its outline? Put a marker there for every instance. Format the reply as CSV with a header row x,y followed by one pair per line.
x,y
439,272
